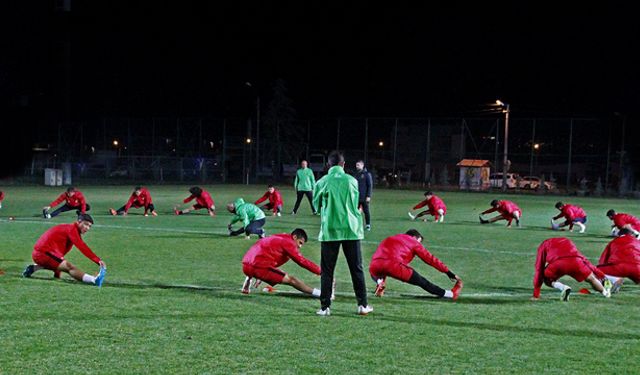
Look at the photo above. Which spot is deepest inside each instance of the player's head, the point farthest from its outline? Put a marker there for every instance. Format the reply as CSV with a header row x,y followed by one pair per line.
x,y
231,208
415,234
271,188
494,203
196,191
137,190
85,221
71,190
335,158
611,214
360,165
300,236
428,193
559,205
304,164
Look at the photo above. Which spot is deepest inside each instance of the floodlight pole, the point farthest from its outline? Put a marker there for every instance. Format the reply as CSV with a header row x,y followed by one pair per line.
x,y
506,144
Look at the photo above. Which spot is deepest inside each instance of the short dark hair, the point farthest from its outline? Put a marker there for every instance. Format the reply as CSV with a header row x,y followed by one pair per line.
x,y
611,213
559,205
428,192
413,233
137,188
494,203
71,189
335,158
270,186
300,233
195,190
85,217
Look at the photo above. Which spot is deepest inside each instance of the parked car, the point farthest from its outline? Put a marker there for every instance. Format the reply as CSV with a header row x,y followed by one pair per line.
x,y
533,183
495,179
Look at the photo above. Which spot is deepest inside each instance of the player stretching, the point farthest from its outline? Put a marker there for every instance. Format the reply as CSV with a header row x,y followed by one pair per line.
x,y
573,215
620,259
56,242
139,198
558,257
275,200
250,215
203,200
624,221
265,256
74,201
392,259
435,205
507,210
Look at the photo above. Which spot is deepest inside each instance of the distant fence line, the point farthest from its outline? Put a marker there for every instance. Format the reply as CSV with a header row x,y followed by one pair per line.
x,y
417,150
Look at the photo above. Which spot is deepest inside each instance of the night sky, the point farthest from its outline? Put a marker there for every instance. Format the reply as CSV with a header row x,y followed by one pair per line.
x,y
187,59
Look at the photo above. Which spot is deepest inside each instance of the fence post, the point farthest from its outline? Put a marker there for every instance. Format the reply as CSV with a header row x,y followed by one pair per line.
x,y
606,174
308,138
570,152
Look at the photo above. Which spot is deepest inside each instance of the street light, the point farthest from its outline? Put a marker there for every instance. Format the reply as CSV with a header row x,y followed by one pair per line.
x,y
505,110
248,84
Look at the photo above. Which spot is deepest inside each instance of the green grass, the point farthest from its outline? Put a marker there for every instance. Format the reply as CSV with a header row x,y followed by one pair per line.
x,y
171,301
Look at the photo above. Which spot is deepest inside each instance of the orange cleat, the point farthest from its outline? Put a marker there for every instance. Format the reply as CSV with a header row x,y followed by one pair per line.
x,y
456,289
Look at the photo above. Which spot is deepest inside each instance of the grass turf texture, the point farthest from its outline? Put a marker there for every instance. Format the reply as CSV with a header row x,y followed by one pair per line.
x,y
171,302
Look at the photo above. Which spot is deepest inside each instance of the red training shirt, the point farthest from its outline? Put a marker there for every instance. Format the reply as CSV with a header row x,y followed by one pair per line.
x,y
142,200
76,201
622,250
620,220
549,251
204,199
402,248
58,241
276,250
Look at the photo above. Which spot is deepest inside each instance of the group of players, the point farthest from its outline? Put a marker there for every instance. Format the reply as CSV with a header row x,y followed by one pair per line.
x,y
556,257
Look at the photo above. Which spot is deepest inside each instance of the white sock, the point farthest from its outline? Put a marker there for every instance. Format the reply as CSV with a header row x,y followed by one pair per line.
x,y
379,281
316,292
613,279
582,227
558,285
448,294
88,279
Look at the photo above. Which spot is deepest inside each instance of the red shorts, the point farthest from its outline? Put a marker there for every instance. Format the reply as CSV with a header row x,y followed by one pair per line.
x,y
510,216
629,270
270,275
46,259
380,269
577,268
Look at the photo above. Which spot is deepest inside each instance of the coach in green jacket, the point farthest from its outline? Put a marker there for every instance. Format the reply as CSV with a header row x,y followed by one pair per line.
x,y
251,216
336,195
303,184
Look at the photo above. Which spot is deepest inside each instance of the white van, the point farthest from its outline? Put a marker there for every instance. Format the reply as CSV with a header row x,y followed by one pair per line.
x,y
495,179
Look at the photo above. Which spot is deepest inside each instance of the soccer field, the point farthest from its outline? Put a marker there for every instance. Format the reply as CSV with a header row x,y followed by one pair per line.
x,y
171,302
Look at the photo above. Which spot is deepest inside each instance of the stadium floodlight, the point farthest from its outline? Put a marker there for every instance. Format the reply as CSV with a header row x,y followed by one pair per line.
x,y
380,143
505,110
248,140
115,143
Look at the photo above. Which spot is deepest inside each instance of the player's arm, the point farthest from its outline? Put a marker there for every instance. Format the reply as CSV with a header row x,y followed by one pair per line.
x,y
538,277
295,183
58,200
317,196
492,209
189,198
77,241
431,260
293,253
420,205
83,204
262,199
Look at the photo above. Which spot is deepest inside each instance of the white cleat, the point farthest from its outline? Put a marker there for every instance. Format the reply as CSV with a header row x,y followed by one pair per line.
x,y
564,295
245,286
364,310
324,312
412,216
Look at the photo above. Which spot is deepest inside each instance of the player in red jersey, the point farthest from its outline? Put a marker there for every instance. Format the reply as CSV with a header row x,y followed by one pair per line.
x,y
624,221
275,200
139,198
558,257
392,259
435,208
572,214
265,256
56,242
74,200
203,200
620,259
508,211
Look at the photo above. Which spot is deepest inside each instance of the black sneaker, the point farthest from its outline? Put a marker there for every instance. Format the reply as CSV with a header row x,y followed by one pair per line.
x,y
28,271
45,214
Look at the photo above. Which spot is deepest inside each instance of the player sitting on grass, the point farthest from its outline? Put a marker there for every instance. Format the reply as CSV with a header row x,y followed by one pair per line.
x,y
435,208
573,215
250,215
203,200
507,210
275,200
392,259
74,200
620,259
265,256
56,242
139,198
624,221
558,257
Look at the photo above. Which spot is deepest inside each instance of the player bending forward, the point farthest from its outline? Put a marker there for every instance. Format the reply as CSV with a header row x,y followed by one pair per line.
x,y
56,242
435,208
139,198
203,200
558,257
392,259
624,221
265,256
572,214
620,259
507,210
